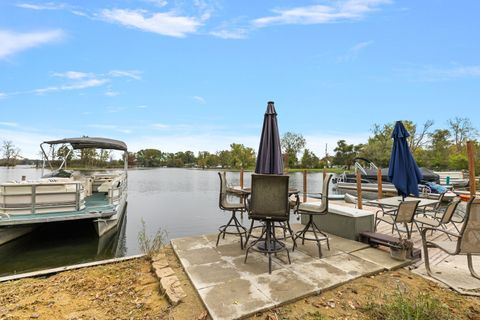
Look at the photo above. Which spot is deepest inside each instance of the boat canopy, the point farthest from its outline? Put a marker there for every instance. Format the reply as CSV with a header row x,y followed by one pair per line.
x,y
91,142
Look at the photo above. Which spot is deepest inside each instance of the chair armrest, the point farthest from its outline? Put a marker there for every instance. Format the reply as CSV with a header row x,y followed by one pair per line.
x,y
425,230
389,211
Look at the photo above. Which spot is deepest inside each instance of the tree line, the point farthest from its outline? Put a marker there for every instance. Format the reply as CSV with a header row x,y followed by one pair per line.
x,y
439,149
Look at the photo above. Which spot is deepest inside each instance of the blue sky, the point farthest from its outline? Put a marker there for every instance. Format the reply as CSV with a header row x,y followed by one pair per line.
x,y
197,75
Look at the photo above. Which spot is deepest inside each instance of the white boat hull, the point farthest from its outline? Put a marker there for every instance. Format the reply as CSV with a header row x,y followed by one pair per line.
x,y
102,226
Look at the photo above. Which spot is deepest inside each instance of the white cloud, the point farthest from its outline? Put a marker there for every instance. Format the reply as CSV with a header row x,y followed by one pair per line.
x,y
318,14
43,6
158,3
111,93
164,23
439,74
3,95
14,42
134,74
354,51
103,126
74,75
160,126
200,99
90,83
230,34
9,124
115,109
142,107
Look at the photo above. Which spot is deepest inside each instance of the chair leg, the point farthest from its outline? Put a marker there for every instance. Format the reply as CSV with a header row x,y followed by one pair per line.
x,y
233,222
470,266
249,232
268,243
253,243
291,234
425,254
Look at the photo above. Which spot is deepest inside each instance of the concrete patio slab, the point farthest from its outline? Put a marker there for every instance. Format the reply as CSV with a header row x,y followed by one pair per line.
x,y
346,245
310,248
198,256
321,274
207,275
380,257
232,289
283,285
234,299
354,266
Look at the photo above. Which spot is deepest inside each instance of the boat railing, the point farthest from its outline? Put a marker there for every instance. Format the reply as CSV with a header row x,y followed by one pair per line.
x,y
17,198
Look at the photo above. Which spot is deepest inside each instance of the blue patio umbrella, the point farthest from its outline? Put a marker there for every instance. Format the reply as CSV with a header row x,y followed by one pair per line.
x,y
403,171
269,158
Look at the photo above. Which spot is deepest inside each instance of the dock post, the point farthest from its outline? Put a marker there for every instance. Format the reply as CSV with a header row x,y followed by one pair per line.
x,y
324,173
241,178
471,167
359,190
379,181
305,186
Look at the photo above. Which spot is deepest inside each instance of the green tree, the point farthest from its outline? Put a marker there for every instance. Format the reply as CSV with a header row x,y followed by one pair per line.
x,y
224,157
87,156
292,144
309,160
379,146
461,130
241,156
202,159
418,138
345,153
10,153
149,158
439,151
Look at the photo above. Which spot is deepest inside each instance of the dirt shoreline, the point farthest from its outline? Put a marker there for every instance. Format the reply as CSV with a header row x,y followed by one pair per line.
x,y
130,290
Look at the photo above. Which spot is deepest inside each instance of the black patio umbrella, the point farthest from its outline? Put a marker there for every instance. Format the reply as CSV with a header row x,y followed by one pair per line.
x,y
269,158
403,171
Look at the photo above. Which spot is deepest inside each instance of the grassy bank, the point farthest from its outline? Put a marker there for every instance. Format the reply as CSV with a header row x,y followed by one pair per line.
x,y
129,290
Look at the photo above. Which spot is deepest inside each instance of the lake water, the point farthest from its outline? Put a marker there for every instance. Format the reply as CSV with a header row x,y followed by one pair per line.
x,y
184,202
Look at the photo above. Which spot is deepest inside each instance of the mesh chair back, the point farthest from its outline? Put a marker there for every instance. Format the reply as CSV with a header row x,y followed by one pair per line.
x,y
406,211
440,201
325,188
269,197
469,241
447,216
222,199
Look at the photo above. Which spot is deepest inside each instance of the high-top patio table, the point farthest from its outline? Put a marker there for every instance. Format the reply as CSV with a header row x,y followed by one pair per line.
x,y
394,202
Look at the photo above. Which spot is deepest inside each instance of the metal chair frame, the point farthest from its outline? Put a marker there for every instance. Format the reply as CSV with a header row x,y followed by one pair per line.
x,y
311,226
233,223
403,214
470,231
259,209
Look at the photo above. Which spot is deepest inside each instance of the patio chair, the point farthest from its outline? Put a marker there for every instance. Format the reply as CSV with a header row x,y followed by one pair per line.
x,y
437,210
233,226
467,243
269,204
313,209
404,214
437,220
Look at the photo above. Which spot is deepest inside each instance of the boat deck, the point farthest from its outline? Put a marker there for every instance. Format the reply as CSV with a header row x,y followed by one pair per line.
x,y
96,206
